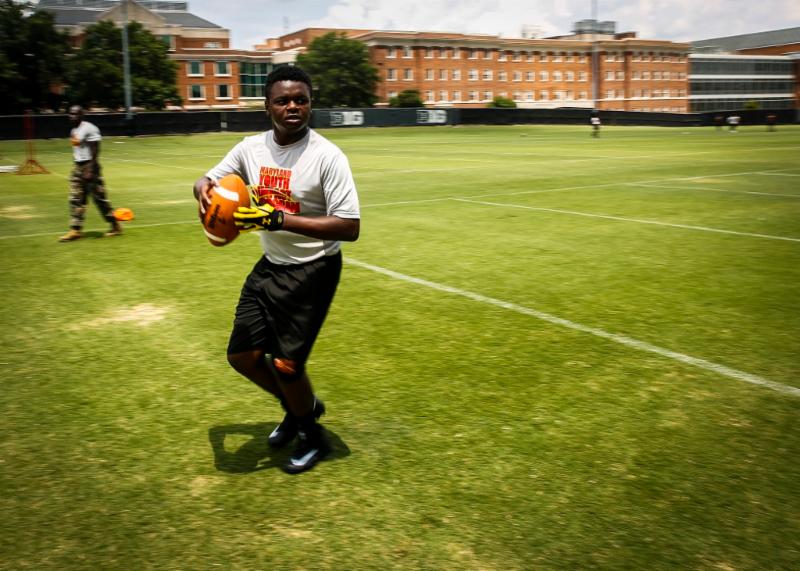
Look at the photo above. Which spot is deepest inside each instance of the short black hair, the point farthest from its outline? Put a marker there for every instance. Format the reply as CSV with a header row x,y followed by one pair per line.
x,y
286,73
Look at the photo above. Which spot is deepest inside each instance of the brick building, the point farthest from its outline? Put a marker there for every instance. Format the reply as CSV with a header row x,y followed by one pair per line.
x,y
211,75
461,70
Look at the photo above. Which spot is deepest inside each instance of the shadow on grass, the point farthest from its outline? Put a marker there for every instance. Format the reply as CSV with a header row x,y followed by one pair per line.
x,y
256,454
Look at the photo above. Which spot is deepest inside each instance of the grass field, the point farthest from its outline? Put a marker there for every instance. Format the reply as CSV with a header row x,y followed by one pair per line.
x,y
547,351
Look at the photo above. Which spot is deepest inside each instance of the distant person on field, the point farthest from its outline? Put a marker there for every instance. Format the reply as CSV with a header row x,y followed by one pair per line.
x,y
772,119
86,179
304,205
595,123
718,122
733,123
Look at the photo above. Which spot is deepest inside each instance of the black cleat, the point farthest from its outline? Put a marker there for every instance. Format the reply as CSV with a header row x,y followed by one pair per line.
x,y
312,446
286,431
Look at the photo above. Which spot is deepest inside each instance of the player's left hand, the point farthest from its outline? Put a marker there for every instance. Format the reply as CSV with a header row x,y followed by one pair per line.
x,y
263,217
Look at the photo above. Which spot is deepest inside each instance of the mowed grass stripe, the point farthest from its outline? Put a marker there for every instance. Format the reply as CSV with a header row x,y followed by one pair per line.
x,y
623,219
617,338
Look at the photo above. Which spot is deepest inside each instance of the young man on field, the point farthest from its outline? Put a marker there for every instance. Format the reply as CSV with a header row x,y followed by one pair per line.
x,y
305,205
86,178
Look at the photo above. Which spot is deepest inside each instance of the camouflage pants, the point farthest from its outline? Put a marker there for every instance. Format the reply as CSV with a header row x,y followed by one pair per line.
x,y
80,189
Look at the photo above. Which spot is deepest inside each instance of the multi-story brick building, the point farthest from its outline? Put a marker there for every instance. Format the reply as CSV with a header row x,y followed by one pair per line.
x,y
211,74
464,70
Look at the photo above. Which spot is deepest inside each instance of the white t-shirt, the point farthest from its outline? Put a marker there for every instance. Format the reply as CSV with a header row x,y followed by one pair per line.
x,y
308,178
84,133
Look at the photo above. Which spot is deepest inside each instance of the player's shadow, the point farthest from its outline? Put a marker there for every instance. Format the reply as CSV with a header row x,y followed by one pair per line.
x,y
256,453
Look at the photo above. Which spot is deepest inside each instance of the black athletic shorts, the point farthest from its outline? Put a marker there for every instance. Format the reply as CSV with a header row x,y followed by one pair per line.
x,y
282,307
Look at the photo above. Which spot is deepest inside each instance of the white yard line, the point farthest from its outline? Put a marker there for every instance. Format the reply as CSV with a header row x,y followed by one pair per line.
x,y
621,339
673,187
623,219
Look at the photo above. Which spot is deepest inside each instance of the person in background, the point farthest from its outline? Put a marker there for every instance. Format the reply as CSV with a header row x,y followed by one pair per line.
x,y
595,123
86,178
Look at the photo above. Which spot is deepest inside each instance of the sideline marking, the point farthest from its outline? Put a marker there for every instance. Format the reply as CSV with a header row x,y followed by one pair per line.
x,y
621,339
637,220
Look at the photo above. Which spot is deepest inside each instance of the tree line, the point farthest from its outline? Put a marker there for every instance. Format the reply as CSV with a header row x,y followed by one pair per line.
x,y
41,71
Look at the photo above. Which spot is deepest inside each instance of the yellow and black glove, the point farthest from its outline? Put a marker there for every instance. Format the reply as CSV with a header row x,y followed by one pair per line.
x,y
263,217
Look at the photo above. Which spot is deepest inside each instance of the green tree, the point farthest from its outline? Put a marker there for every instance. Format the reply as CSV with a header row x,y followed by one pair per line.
x,y
32,56
503,102
96,75
341,72
407,98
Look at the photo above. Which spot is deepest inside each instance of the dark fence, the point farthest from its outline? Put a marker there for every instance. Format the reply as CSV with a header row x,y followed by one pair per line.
x,y
185,122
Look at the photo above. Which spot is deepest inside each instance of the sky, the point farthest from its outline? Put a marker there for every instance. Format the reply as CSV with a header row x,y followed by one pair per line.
x,y
251,22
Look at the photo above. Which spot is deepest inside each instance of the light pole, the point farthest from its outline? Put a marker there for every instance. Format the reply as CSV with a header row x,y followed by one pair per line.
x,y
595,64
126,63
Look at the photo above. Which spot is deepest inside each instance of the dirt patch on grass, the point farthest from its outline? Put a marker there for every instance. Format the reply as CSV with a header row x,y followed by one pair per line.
x,y
141,315
18,213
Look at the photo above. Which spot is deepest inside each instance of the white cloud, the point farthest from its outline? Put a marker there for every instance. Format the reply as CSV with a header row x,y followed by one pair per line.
x,y
677,20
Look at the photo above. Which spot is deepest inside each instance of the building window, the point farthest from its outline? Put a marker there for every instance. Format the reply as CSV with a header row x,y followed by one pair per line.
x,y
570,76
392,94
530,76
620,76
407,53
456,96
529,57
557,58
472,75
582,95
610,94
428,96
487,54
501,55
582,58
529,96
391,52
518,75
473,95
391,74
196,92
543,95
456,75
252,77
223,91
543,57
194,68
517,56
442,75
456,54
609,76
544,76
582,76
222,68
646,75
443,54
428,53
556,76
472,54
442,96
502,76
487,75
487,96
408,74
428,75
